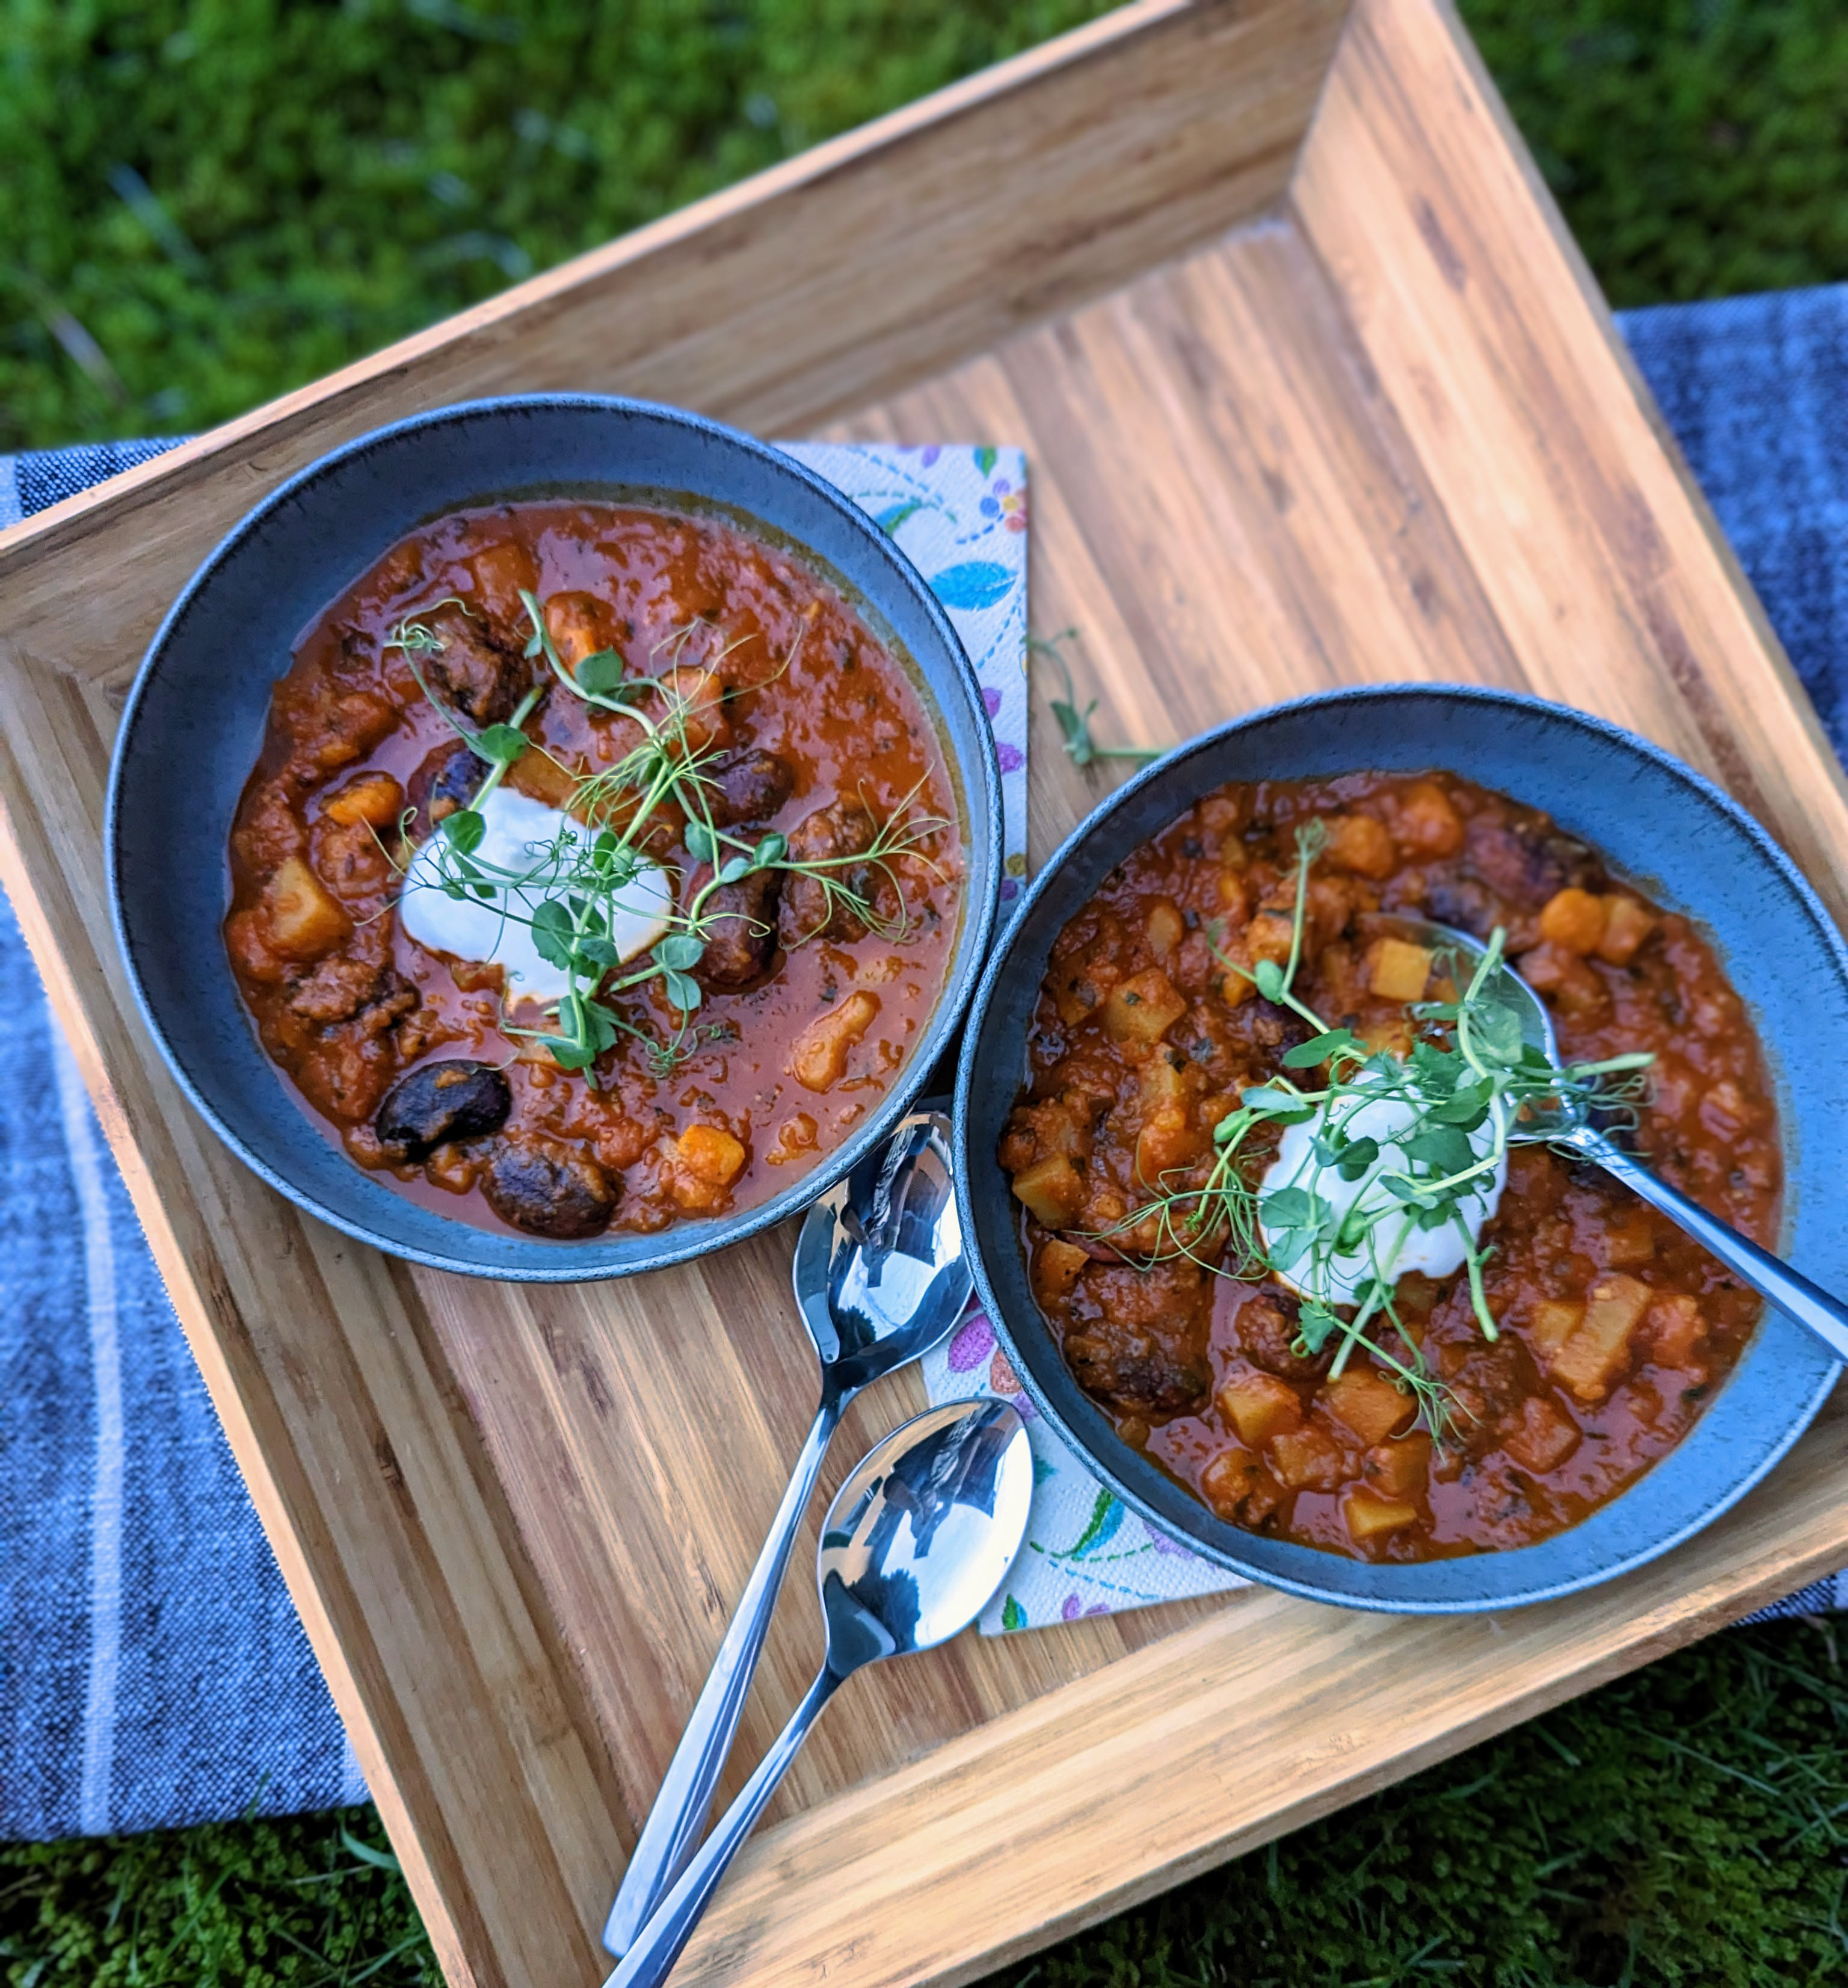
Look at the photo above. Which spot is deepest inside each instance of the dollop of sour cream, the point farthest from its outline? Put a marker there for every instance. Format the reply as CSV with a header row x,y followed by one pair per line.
x,y
517,834
1395,1237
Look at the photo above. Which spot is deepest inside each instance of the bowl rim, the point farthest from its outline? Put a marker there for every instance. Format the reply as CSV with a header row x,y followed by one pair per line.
x,y
975,1022
684,1240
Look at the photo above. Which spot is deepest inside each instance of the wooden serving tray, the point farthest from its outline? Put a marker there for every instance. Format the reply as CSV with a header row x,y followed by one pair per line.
x,y
1316,390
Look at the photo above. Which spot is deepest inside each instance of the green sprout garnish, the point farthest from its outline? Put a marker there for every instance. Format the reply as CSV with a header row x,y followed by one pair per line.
x,y
571,895
1434,1136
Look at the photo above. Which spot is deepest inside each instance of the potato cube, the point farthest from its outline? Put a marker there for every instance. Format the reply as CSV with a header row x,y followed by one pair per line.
x,y
1589,1359
1307,1458
1542,1437
1359,843
1676,1328
1369,1516
1399,1468
1369,1403
1573,919
818,1060
377,800
1057,1267
1259,1406
1139,1011
1626,925
1050,1191
1228,1481
300,919
1399,970
1554,1321
1629,1244
1165,927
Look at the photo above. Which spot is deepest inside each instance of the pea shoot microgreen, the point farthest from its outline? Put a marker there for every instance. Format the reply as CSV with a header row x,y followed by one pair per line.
x,y
1074,724
1413,1143
609,859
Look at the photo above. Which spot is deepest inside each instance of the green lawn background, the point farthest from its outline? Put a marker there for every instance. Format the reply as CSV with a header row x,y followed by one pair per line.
x,y
203,205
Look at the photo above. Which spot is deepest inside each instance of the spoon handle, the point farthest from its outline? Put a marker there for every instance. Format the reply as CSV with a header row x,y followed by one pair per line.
x,y
685,1799
659,1943
1795,1295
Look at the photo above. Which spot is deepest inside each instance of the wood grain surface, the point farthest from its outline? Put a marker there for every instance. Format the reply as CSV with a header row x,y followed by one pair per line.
x,y
1314,390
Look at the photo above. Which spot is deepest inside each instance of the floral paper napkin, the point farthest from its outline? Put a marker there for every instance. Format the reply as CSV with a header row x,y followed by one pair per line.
x,y
959,514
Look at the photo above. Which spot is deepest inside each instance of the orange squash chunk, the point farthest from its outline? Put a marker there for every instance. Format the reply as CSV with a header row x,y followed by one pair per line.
x,y
1574,919
1400,971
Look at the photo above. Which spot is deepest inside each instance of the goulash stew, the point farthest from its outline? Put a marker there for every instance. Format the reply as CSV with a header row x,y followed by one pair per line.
x,y
1279,1207
601,869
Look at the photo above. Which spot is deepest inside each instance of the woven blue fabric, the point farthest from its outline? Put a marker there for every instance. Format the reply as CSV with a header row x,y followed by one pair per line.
x,y
182,1689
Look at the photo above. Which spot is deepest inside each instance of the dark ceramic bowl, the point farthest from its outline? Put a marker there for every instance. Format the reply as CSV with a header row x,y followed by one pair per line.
x,y
201,698
1687,845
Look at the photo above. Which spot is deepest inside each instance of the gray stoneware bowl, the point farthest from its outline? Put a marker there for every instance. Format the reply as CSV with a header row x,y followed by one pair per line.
x,y
1693,850
202,696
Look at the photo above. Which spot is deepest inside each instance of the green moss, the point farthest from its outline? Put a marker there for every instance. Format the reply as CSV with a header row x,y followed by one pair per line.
x,y
312,1901
1688,1825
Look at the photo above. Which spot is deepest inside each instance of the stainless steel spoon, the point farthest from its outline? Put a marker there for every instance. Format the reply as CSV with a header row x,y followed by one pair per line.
x,y
880,1276
1571,1130
916,1540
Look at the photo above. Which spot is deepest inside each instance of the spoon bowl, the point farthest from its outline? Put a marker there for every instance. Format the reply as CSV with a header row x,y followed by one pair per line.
x,y
1572,1130
879,1272
916,1540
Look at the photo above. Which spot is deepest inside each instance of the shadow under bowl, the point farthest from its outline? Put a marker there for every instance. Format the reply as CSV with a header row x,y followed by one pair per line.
x,y
1695,851
194,724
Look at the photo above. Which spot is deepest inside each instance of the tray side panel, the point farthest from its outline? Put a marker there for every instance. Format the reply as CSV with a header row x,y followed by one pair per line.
x,y
392,1534
886,255
1606,569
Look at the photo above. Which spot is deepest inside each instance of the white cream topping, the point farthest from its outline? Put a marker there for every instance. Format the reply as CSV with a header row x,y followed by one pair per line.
x,y
518,836
1394,1239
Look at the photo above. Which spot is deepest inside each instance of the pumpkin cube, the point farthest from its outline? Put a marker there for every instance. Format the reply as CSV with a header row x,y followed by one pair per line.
x,y
1399,970
1626,925
1359,843
301,920
376,799
1574,919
